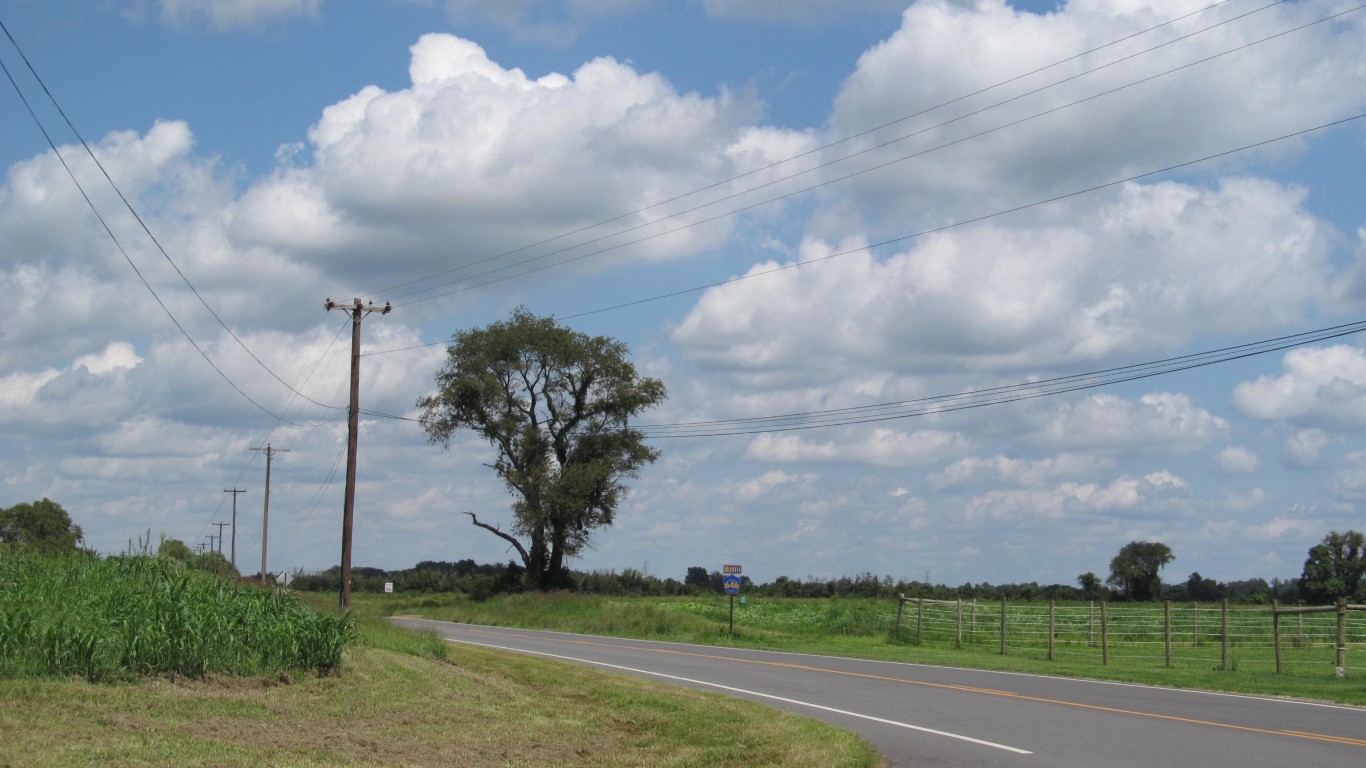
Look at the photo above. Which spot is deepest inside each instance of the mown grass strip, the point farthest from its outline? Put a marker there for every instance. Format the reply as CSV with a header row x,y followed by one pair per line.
x,y
479,708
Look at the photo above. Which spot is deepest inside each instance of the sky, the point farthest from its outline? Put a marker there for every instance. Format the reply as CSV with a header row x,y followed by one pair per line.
x,y
796,207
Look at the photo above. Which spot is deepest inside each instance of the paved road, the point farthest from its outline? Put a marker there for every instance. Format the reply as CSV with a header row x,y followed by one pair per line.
x,y
918,715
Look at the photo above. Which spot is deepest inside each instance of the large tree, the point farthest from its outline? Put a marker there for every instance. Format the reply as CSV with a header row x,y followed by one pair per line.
x,y
1334,568
1135,569
42,525
556,405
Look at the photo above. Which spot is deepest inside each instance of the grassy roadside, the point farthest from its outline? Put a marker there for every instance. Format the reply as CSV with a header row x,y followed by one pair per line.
x,y
834,627
405,707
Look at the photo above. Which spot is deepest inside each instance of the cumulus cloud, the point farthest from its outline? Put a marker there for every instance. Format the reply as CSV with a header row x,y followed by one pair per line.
x,y
1144,271
1064,499
1324,387
1160,421
1230,101
493,159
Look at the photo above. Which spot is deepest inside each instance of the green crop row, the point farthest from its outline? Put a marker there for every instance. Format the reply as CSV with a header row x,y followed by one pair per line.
x,y
123,617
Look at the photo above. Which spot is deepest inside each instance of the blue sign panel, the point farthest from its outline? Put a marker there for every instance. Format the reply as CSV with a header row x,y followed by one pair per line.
x,y
731,584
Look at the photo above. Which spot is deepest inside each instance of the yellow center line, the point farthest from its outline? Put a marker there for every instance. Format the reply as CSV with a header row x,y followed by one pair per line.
x,y
971,689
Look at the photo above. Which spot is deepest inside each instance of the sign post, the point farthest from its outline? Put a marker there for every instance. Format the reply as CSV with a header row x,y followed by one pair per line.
x,y
731,584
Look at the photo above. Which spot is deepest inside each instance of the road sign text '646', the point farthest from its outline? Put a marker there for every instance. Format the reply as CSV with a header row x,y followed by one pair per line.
x,y
731,584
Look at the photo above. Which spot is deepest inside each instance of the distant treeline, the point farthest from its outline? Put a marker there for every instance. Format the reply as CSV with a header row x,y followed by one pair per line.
x,y
481,581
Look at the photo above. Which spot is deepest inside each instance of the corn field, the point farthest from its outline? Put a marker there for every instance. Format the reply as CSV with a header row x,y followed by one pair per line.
x,y
123,617
1143,634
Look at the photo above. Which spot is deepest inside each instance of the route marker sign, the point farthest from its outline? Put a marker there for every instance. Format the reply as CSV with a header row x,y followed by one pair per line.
x,y
732,569
731,583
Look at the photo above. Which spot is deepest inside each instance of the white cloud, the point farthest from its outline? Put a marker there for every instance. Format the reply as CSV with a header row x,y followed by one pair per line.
x,y
881,447
1141,272
761,486
494,159
1303,448
1021,472
228,15
1160,421
1324,387
1238,460
1068,499
1254,95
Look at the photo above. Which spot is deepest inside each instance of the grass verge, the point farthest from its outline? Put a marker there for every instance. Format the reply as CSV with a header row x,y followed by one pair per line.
x,y
477,708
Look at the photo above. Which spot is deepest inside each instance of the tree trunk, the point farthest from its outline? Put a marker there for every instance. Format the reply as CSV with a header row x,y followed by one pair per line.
x,y
556,577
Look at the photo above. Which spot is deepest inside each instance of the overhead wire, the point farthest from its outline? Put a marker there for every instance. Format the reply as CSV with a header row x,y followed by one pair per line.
x,y
836,142
141,223
127,258
998,395
846,177
829,145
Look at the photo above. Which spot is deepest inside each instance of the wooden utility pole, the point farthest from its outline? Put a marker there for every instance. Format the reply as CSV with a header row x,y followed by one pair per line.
x,y
357,310
234,493
265,514
221,526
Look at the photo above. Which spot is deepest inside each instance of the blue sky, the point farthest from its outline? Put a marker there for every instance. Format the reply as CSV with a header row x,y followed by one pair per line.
x,y
285,151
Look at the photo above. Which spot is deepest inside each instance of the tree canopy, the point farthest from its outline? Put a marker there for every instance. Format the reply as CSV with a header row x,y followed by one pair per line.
x,y
42,525
1135,569
555,404
1334,568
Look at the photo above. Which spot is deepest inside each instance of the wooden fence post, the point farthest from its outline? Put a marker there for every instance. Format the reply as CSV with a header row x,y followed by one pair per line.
x,y
1276,633
1341,670
1003,626
1050,630
1091,624
919,621
958,636
1195,624
1167,633
900,604
1104,638
1223,638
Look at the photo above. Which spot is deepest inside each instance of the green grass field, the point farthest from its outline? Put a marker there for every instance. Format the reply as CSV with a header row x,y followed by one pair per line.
x,y
865,628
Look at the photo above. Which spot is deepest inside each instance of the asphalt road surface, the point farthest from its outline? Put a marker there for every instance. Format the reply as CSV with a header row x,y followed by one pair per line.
x,y
918,715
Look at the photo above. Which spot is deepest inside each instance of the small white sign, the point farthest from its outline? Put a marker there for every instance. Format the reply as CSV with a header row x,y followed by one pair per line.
x,y
388,587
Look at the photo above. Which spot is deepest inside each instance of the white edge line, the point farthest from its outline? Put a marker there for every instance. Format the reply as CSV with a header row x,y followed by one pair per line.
x,y
891,662
822,707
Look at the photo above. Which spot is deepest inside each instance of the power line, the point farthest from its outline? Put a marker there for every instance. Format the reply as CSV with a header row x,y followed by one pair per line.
x,y
925,232
1000,395
829,145
803,190
993,395
140,222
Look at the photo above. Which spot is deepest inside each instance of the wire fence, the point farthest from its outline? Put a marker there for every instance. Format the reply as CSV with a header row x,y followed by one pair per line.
x,y
1296,640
